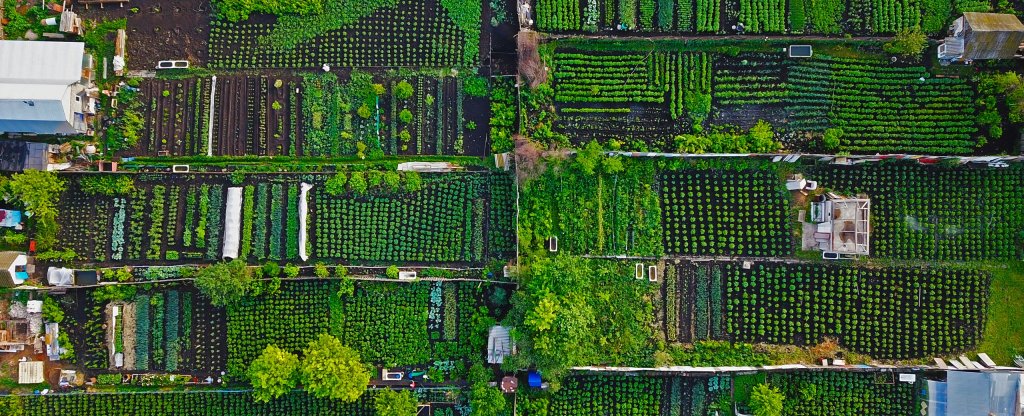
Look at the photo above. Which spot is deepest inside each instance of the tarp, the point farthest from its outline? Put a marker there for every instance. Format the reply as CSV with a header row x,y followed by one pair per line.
x,y
970,393
303,208
9,218
499,345
59,276
232,223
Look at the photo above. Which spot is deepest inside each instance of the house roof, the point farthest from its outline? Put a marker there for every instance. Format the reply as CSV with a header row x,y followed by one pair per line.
x,y
7,259
16,155
992,36
36,80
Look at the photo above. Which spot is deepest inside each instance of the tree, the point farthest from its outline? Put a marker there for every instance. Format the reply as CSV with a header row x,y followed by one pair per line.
x,y
485,400
332,370
403,90
37,191
320,270
358,183
766,401
52,311
393,403
907,43
762,138
336,185
224,283
273,373
589,157
832,137
291,271
391,272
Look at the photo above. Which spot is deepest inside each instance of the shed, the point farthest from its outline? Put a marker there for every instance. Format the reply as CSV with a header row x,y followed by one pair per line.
x,y
30,372
41,88
982,36
964,393
86,278
13,268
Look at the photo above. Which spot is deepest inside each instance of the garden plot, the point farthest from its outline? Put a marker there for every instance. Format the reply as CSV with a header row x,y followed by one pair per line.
x,y
845,393
885,312
390,324
254,115
172,219
395,112
640,395
412,33
219,403
598,213
833,17
155,329
718,212
660,95
934,212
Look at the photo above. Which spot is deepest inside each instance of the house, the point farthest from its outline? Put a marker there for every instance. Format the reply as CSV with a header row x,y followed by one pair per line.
x,y
45,87
982,36
840,226
13,268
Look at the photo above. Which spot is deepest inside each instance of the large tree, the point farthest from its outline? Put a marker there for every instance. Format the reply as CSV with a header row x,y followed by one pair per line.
x,y
766,401
574,311
485,400
224,283
273,373
332,370
37,191
393,403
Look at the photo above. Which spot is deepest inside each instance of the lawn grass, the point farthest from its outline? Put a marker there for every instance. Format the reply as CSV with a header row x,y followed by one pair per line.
x,y
1004,331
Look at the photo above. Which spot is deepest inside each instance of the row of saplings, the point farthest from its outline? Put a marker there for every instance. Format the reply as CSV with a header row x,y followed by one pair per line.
x,y
328,369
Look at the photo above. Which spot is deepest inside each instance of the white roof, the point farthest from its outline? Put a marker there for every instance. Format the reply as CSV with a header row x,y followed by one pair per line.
x,y
39,62
30,372
36,79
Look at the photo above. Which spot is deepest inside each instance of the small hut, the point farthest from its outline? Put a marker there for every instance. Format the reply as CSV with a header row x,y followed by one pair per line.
x,y
982,36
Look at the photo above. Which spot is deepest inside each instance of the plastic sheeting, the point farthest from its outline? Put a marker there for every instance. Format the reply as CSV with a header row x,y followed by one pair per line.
x,y
59,276
232,223
303,207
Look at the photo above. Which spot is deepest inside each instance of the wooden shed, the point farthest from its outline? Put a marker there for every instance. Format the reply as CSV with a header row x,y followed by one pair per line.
x,y
982,36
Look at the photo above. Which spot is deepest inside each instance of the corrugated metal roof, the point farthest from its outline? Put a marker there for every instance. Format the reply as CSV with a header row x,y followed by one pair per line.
x,y
992,36
993,22
40,62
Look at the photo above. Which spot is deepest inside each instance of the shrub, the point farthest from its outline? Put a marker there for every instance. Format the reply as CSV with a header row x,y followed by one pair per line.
x,y
475,87
108,185
390,402
291,271
332,370
358,183
403,90
336,185
273,373
766,401
276,106
363,111
831,138
907,43
223,283
405,116
391,272
320,270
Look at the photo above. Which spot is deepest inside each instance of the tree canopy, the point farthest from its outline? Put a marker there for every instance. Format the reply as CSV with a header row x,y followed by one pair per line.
x,y
273,373
224,283
575,311
332,370
766,401
394,403
485,400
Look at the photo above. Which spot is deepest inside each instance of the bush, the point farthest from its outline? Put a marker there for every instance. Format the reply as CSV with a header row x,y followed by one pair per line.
x,y
273,373
320,270
291,271
224,283
390,402
391,272
405,116
52,311
336,185
108,185
363,111
332,370
766,401
475,87
358,183
831,138
907,43
403,90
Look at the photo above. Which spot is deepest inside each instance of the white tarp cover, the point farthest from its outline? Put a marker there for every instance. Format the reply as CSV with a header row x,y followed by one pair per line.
x,y
303,207
232,222
499,345
59,276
